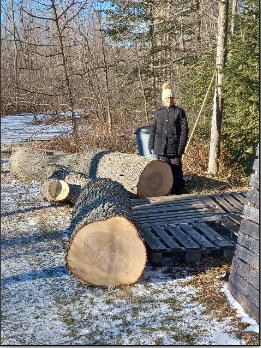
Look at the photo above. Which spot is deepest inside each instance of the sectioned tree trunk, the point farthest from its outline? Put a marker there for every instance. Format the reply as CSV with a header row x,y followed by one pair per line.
x,y
142,176
27,163
105,247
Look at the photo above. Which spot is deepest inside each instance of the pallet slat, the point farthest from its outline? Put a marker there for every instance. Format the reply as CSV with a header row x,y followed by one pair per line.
x,y
191,217
224,204
234,202
135,204
183,238
251,213
210,202
151,239
244,301
173,216
174,198
230,224
169,206
199,238
239,196
213,236
162,234
235,217
164,200
250,228
248,242
253,197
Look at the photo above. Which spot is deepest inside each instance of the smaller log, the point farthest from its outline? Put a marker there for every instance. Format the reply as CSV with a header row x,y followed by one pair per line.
x,y
63,186
59,190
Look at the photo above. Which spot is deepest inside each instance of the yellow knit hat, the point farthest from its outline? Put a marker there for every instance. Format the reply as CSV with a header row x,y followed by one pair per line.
x,y
166,91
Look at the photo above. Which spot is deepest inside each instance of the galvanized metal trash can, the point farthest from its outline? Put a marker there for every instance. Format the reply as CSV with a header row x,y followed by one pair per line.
x,y
142,140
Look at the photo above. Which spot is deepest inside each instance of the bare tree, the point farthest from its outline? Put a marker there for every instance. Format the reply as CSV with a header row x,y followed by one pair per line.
x,y
214,151
233,13
106,74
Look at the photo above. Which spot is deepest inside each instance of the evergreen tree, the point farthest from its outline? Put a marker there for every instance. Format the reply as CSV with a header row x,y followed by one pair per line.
x,y
241,132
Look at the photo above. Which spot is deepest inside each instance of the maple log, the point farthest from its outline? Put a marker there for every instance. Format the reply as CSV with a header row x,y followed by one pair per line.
x,y
105,245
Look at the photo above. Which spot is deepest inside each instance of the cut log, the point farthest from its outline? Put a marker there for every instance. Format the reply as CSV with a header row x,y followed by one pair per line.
x,y
63,186
155,180
27,163
142,176
105,248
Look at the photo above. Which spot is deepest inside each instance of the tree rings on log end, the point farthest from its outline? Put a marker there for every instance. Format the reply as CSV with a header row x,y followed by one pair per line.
x,y
155,180
108,252
59,190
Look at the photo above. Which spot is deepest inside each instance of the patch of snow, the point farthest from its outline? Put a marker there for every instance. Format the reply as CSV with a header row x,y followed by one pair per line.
x,y
240,310
42,304
221,338
17,129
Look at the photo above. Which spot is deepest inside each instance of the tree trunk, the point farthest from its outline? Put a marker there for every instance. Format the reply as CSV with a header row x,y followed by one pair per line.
x,y
64,64
232,26
106,76
233,13
105,247
142,86
214,151
142,176
27,164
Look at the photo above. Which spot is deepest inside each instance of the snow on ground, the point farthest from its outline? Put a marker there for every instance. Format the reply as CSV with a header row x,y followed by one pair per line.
x,y
240,311
42,304
19,128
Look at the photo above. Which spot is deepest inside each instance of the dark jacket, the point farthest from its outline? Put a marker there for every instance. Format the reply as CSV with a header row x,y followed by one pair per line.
x,y
169,131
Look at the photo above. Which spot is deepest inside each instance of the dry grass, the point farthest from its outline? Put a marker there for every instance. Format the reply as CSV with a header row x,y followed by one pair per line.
x,y
207,281
122,139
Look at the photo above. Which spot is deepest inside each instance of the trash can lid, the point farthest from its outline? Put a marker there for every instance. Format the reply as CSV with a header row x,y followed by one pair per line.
x,y
143,129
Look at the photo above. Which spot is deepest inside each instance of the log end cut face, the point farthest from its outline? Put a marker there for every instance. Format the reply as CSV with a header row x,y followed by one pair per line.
x,y
59,190
108,252
155,180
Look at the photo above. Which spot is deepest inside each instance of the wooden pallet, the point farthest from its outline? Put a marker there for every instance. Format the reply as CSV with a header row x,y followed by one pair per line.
x,y
190,240
189,225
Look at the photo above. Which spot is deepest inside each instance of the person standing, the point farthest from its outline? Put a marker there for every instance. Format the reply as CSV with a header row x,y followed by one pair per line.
x,y
169,135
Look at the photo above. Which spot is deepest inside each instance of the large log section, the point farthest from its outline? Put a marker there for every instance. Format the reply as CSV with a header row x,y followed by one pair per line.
x,y
105,247
139,175
142,176
28,163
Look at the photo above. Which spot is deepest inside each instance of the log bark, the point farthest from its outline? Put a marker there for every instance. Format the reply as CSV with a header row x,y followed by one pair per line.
x,y
105,248
27,163
63,186
142,176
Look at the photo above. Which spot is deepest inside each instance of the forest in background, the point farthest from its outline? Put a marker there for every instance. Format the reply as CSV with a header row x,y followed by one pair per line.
x,y
110,58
